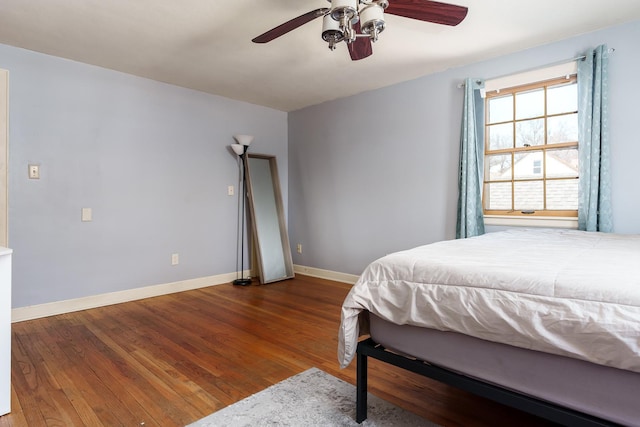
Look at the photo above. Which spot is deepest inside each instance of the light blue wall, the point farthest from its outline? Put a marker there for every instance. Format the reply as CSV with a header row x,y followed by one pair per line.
x,y
150,159
377,172
367,175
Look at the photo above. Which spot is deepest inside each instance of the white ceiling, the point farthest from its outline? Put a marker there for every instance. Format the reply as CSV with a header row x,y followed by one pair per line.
x,y
206,44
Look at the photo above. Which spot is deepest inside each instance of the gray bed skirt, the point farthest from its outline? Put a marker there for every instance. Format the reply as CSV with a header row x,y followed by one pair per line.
x,y
604,392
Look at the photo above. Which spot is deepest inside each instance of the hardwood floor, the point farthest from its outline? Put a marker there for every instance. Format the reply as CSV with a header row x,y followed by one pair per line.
x,y
170,360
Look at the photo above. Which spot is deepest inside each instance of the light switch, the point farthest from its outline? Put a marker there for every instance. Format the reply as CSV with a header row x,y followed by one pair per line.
x,y
86,214
231,190
34,172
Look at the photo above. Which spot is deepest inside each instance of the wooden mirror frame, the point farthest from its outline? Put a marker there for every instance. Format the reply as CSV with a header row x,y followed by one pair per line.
x,y
269,229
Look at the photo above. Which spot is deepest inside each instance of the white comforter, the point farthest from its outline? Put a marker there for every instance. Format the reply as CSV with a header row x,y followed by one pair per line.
x,y
571,293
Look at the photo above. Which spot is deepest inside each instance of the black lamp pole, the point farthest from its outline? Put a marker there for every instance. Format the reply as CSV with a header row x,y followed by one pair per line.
x,y
242,281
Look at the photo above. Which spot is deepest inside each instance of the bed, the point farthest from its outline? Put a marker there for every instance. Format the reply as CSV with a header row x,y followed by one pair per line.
x,y
547,321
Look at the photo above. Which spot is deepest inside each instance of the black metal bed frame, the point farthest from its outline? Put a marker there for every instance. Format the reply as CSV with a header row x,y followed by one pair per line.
x,y
541,408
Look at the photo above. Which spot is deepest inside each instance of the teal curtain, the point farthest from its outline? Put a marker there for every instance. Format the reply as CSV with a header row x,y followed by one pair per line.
x,y
470,219
594,193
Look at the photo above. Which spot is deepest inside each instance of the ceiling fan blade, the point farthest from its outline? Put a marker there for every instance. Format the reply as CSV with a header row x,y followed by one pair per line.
x,y
361,47
290,25
427,10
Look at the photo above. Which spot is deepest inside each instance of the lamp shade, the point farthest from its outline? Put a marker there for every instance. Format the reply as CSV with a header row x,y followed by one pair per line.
x,y
243,139
238,149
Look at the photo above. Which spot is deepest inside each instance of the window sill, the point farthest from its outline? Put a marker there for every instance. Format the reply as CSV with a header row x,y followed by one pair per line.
x,y
532,221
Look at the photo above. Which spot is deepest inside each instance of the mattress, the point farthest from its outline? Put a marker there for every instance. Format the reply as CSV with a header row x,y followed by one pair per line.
x,y
564,292
601,391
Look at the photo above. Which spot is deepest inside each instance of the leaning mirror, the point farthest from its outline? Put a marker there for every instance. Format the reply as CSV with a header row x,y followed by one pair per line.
x,y
270,237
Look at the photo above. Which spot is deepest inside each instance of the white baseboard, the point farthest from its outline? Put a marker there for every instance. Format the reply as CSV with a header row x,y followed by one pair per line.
x,y
325,274
67,306
31,312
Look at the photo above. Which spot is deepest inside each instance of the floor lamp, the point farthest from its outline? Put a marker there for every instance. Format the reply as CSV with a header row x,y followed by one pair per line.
x,y
240,149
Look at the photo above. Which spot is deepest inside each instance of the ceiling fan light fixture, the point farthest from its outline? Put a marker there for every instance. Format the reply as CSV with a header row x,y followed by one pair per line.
x,y
342,10
331,31
372,20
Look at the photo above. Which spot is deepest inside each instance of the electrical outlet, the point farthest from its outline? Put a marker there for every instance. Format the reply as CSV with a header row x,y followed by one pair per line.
x,y
299,248
87,215
175,259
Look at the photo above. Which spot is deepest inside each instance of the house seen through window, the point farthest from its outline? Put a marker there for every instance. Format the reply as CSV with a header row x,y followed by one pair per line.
x,y
531,150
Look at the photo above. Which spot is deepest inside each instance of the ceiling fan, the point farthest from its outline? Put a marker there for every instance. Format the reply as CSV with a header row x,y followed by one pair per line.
x,y
359,22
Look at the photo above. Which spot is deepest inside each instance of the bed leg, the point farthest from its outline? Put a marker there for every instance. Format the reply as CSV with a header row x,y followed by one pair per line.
x,y
361,388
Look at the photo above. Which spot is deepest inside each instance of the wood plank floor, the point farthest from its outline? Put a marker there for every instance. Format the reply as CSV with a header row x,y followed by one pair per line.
x,y
170,360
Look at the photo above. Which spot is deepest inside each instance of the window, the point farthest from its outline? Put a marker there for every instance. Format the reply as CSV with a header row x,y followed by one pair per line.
x,y
531,150
537,167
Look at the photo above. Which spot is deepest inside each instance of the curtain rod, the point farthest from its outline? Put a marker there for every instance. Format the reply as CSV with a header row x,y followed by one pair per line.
x,y
539,67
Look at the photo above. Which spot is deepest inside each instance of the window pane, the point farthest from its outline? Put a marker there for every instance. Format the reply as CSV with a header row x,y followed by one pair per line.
x,y
498,167
562,163
528,195
528,165
562,128
562,98
530,133
530,104
498,196
562,194
501,109
501,136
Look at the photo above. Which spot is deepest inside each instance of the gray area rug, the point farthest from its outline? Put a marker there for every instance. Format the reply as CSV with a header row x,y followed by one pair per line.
x,y
312,398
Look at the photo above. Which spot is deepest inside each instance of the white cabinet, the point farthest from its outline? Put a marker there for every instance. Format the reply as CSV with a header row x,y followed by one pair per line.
x,y
5,330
